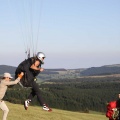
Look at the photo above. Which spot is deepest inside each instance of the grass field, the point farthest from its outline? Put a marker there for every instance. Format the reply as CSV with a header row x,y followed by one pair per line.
x,y
17,112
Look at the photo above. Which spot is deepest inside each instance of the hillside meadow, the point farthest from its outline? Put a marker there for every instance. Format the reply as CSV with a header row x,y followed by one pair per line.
x,y
17,112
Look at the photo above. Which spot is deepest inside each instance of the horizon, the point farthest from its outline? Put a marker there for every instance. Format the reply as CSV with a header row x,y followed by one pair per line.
x,y
72,68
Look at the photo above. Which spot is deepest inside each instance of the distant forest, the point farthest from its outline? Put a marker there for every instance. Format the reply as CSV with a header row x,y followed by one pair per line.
x,y
100,71
103,70
81,94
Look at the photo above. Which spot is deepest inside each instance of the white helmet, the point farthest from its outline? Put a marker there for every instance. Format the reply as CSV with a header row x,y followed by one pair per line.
x,y
41,56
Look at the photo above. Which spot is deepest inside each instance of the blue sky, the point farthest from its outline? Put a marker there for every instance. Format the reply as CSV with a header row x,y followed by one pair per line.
x,y
72,33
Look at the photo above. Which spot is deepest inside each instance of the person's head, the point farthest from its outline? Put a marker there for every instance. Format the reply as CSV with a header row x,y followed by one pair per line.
x,y
40,56
7,76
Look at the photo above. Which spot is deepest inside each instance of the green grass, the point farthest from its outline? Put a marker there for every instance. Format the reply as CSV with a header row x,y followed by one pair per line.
x,y
17,112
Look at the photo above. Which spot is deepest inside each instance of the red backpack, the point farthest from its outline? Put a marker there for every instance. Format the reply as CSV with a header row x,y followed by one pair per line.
x,y
112,111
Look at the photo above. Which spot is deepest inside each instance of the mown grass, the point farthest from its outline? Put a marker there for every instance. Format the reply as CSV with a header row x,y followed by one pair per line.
x,y
17,112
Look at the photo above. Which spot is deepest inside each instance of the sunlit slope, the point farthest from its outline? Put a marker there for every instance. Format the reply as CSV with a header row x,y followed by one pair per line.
x,y
17,112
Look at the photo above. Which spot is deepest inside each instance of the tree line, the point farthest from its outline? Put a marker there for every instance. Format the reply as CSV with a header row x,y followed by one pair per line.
x,y
79,94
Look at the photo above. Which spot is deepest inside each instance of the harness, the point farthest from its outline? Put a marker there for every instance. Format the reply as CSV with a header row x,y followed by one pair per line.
x,y
29,74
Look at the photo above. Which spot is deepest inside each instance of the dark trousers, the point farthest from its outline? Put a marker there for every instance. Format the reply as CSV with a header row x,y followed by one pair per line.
x,y
36,91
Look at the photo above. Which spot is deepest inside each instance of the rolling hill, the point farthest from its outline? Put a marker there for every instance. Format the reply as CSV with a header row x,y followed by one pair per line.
x,y
11,69
6,68
103,70
61,72
17,112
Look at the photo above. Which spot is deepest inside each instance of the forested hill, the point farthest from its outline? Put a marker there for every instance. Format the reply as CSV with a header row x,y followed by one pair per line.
x,y
11,69
6,68
103,70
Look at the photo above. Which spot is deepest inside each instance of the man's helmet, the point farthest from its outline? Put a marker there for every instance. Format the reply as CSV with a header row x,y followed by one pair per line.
x,y
40,56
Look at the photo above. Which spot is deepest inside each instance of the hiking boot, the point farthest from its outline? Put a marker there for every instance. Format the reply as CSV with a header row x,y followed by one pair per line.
x,y
45,107
26,104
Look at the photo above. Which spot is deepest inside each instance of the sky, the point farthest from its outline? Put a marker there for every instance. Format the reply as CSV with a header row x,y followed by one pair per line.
x,y
72,33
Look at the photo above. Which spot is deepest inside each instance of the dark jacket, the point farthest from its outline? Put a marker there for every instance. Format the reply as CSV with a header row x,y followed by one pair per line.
x,y
29,74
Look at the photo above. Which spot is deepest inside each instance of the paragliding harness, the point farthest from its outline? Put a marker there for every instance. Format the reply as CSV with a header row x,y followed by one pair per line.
x,y
29,74
24,82
112,111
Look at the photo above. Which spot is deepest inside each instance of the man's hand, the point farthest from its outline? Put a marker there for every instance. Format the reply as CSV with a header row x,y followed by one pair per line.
x,y
41,69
